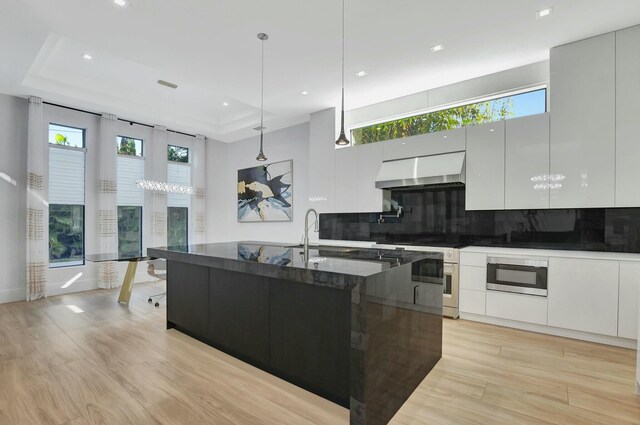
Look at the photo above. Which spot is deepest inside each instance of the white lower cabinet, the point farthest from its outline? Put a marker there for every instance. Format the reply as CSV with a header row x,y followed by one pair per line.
x,y
583,295
472,301
629,300
472,289
473,278
523,308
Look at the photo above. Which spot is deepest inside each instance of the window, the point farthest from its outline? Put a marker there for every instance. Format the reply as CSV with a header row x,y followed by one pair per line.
x,y
130,229
66,195
66,235
178,226
518,105
129,146
179,174
178,205
178,154
130,199
66,136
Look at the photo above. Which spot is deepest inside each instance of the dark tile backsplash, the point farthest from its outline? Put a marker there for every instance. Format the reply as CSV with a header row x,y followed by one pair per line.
x,y
438,217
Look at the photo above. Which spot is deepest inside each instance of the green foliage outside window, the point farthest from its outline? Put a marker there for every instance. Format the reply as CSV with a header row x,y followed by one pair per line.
x,y
461,116
129,146
178,226
178,154
62,135
61,140
129,230
66,233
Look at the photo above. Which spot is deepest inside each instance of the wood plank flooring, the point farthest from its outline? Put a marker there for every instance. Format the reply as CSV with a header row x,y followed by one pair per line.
x,y
83,359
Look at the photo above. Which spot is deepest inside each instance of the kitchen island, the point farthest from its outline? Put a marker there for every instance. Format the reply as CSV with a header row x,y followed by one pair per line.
x,y
360,327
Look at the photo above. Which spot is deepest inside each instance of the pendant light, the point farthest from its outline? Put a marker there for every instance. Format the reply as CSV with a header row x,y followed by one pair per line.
x,y
262,37
342,139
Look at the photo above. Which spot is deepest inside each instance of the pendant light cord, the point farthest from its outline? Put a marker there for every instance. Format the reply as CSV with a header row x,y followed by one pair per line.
x,y
262,96
343,61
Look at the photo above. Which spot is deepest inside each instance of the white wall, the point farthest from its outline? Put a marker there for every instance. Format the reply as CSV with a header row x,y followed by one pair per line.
x,y
223,162
13,163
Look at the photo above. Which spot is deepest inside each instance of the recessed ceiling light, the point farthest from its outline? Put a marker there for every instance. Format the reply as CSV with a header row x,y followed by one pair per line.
x,y
361,74
544,12
121,3
304,93
437,48
225,104
87,56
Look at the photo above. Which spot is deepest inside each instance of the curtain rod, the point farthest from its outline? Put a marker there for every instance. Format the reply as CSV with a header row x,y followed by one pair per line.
x,y
119,119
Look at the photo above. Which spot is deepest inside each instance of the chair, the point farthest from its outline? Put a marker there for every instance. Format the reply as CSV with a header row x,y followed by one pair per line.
x,y
158,270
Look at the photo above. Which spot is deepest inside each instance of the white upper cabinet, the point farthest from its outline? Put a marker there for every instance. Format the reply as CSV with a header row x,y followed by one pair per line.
x,y
322,153
629,300
369,162
627,117
583,134
485,166
424,144
527,177
583,295
346,180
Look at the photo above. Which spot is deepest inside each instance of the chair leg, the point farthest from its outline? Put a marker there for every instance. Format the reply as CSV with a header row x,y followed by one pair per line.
x,y
159,297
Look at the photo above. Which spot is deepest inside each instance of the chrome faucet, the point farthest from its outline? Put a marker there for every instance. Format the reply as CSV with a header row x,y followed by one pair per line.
x,y
306,232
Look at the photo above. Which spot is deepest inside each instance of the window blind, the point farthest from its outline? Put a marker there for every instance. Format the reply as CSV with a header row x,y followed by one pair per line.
x,y
130,170
66,176
179,174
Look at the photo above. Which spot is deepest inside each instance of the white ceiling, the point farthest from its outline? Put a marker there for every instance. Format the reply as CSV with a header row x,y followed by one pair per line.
x,y
209,48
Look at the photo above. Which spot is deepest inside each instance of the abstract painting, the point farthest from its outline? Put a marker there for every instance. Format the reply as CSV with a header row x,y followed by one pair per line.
x,y
265,193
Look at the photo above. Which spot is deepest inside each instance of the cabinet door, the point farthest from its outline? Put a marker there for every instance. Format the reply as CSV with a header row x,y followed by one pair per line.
x,y
629,300
346,180
627,117
474,278
583,295
472,301
523,308
424,144
485,167
583,139
369,162
527,163
188,297
322,160
239,320
310,336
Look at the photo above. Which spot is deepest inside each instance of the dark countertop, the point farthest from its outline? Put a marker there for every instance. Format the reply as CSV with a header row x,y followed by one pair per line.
x,y
338,267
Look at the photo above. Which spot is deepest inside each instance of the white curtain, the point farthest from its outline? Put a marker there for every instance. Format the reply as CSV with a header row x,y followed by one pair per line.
x,y
37,204
198,181
107,200
157,171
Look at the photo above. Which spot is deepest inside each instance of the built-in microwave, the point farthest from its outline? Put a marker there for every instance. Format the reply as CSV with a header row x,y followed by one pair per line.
x,y
518,275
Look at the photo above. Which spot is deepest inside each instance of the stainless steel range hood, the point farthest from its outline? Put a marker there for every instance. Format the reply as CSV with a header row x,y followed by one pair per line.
x,y
434,170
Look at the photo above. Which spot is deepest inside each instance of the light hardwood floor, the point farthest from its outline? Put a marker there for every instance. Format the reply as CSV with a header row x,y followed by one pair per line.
x,y
83,359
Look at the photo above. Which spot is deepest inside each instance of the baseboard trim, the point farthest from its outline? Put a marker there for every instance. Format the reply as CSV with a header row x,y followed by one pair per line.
x,y
12,295
550,330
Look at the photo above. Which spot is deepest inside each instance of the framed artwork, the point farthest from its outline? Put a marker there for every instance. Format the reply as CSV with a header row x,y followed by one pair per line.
x,y
265,193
